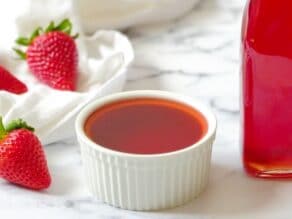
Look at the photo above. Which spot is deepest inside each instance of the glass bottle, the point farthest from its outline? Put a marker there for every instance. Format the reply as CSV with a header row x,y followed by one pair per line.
x,y
267,88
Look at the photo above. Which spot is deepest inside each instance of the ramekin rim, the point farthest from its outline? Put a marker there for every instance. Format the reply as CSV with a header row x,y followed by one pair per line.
x,y
194,103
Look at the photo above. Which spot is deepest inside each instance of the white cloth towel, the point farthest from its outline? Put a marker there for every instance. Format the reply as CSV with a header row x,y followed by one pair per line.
x,y
124,13
103,61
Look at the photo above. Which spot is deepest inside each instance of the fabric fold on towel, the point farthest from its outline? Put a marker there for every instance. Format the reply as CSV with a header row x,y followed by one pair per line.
x,y
103,61
125,13
104,14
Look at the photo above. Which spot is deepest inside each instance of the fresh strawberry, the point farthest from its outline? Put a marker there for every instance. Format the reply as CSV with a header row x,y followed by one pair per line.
x,y
52,55
10,83
22,159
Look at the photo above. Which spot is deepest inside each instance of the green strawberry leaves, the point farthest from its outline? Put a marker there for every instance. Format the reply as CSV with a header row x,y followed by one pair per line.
x,y
20,53
64,26
50,27
18,124
23,41
13,125
3,132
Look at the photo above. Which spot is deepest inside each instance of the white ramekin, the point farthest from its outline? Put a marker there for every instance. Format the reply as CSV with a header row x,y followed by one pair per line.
x,y
146,182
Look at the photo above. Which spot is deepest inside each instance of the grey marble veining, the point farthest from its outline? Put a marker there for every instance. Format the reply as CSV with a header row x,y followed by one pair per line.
x,y
198,56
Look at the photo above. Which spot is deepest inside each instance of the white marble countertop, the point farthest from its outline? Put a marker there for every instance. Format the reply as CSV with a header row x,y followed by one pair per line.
x,y
197,56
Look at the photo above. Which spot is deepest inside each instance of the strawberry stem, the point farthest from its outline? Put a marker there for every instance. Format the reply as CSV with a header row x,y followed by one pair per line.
x,y
3,132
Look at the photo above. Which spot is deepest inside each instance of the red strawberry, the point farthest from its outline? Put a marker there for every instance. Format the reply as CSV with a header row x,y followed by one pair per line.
x,y
10,83
52,55
22,159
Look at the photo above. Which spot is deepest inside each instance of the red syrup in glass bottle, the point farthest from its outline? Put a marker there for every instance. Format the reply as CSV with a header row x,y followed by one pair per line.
x,y
267,88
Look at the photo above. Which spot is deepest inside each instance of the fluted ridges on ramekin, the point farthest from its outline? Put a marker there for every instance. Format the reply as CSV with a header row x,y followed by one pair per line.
x,y
147,184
